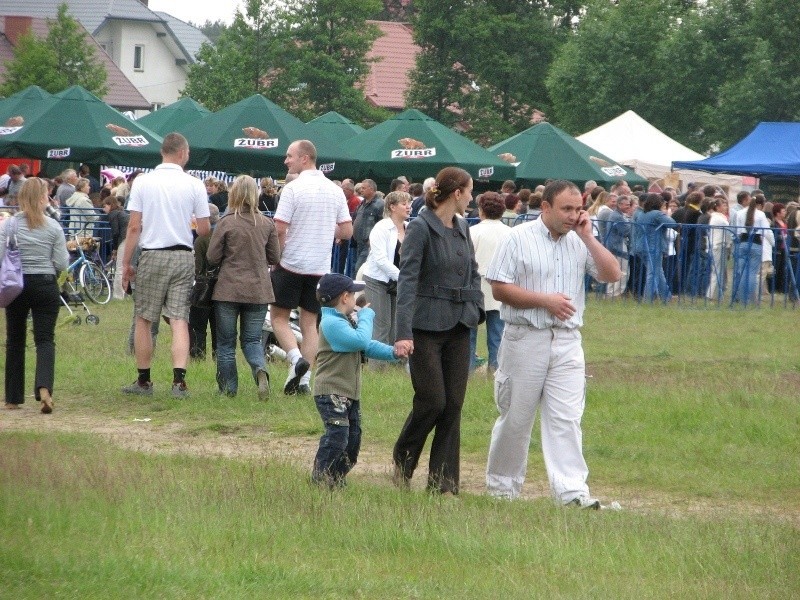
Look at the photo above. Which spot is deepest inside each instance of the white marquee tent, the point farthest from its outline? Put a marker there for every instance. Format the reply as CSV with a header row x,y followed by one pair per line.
x,y
632,141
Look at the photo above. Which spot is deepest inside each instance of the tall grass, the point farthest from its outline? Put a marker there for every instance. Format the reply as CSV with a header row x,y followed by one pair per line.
x,y
83,520
691,423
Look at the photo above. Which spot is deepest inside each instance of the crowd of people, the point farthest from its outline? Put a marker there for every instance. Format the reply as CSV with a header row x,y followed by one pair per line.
x,y
403,278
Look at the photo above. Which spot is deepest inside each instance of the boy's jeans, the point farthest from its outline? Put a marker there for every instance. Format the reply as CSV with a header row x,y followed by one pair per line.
x,y
339,445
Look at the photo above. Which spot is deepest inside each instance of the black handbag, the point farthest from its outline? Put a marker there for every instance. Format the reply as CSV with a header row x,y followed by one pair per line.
x,y
203,288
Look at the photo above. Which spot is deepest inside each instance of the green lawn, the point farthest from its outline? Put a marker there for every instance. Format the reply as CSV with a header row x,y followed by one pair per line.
x,y
692,423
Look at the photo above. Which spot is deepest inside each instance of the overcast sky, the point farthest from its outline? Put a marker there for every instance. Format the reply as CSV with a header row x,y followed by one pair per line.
x,y
197,11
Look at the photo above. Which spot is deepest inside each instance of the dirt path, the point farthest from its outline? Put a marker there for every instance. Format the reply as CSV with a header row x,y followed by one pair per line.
x,y
374,462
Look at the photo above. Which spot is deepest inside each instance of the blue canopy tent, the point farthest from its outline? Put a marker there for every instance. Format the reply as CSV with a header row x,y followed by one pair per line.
x,y
771,149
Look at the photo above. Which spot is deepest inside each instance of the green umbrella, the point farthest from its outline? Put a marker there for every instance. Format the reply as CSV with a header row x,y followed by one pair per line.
x,y
417,146
76,126
335,126
252,136
177,115
20,109
546,152
31,95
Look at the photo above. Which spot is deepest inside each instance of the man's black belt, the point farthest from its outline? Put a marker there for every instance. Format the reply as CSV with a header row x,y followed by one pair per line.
x,y
170,248
452,294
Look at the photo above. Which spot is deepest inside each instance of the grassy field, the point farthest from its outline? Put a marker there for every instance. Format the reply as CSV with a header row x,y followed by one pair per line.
x,y
691,424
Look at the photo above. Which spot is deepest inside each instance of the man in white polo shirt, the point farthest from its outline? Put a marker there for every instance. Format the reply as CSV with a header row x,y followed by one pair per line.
x,y
312,212
162,204
537,274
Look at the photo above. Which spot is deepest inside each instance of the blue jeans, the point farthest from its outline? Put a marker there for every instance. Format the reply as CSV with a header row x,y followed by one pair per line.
x,y
339,445
252,321
494,333
747,266
656,282
699,274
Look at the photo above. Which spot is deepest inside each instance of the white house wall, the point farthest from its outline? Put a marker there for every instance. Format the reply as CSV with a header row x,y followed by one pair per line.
x,y
161,80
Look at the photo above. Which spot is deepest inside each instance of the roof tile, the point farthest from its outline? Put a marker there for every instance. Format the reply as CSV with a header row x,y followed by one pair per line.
x,y
387,82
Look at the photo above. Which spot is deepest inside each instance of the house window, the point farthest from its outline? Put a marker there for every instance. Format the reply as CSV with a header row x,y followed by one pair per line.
x,y
138,58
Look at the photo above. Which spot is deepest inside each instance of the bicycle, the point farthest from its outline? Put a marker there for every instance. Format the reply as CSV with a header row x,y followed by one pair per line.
x,y
90,275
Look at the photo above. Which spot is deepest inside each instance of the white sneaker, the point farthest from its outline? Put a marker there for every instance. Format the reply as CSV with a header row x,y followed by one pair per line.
x,y
585,502
296,372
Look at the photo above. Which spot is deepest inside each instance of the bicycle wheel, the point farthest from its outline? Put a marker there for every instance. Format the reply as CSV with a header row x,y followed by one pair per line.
x,y
95,283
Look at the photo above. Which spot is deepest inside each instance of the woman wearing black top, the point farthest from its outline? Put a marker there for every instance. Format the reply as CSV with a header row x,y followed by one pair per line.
x,y
118,222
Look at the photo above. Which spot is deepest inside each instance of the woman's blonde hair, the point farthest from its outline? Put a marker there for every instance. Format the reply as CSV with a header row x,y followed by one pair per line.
x,y
243,197
393,198
30,201
599,202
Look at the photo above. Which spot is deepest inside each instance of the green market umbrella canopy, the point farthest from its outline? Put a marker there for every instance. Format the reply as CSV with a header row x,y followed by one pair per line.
x,y
77,126
252,136
32,97
177,115
417,146
545,152
335,126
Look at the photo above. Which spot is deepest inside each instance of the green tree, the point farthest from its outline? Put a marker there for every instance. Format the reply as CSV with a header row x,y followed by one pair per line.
x,y
509,53
614,62
212,29
482,64
66,57
439,83
243,59
325,65
765,85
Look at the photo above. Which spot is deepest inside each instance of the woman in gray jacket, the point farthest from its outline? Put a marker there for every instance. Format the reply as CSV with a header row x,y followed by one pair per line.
x,y
244,244
43,251
439,299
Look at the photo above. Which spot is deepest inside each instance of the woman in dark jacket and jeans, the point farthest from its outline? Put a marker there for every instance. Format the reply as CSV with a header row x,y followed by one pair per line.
x,y
439,299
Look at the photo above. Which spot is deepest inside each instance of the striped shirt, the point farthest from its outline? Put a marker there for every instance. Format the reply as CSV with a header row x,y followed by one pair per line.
x,y
531,259
312,206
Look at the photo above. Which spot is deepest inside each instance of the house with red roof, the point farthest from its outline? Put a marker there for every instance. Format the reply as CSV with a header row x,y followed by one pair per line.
x,y
122,94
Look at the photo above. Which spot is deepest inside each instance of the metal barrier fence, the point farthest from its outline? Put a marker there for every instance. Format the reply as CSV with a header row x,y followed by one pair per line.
x,y
702,264
724,266
686,264
89,222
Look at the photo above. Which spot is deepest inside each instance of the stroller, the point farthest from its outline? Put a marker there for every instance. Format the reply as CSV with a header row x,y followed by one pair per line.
x,y
71,296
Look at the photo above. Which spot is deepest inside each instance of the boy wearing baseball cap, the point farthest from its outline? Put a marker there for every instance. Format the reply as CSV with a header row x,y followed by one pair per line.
x,y
345,331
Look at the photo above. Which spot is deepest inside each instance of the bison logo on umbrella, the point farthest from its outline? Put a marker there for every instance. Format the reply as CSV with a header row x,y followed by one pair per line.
x,y
125,137
413,149
12,125
255,139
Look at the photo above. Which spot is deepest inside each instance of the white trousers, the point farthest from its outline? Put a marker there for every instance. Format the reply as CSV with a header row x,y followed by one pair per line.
x,y
617,288
540,369
119,293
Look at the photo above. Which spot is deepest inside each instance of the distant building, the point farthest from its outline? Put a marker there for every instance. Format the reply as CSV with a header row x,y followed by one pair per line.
x,y
151,50
387,82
